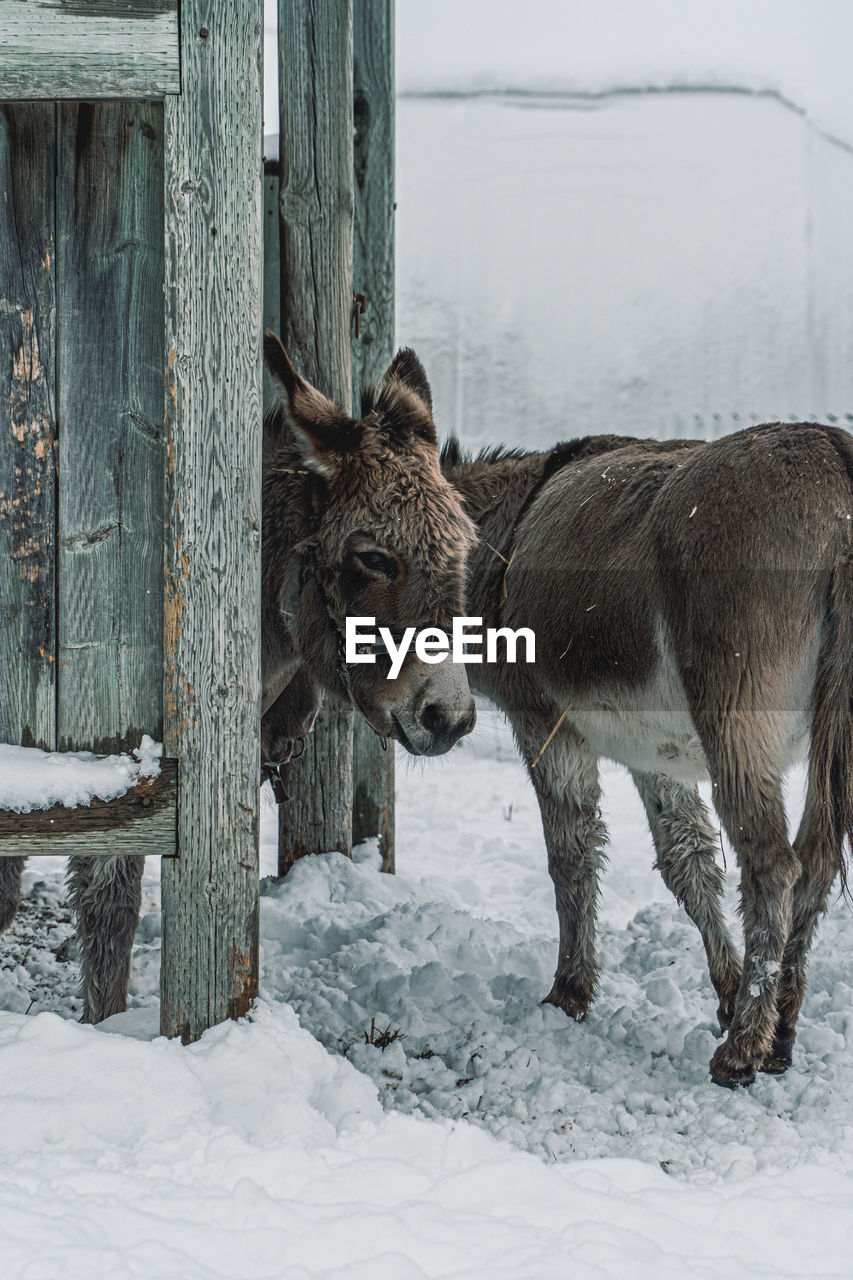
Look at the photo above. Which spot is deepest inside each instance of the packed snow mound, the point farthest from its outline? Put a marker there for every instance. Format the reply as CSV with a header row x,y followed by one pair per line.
x,y
33,779
256,1153
451,958
260,1152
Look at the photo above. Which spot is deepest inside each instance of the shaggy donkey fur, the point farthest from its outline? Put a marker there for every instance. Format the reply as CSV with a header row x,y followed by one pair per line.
x,y
693,611
357,519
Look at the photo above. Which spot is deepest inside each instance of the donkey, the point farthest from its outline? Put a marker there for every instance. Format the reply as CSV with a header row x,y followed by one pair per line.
x,y
693,611
357,518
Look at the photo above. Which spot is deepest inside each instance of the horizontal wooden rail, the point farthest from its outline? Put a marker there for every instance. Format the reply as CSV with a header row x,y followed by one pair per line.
x,y
142,822
110,49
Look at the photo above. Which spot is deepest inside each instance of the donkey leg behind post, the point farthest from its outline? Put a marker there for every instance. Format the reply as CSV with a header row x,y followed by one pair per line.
x,y
693,609
105,896
357,519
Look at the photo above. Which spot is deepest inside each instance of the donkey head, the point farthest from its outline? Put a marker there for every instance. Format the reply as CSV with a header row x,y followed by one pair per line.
x,y
359,521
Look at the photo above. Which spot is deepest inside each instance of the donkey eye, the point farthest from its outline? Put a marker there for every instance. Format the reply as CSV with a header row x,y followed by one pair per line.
x,y
378,562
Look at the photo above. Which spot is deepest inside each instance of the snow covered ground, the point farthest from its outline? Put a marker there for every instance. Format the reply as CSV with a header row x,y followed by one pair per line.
x,y
490,1138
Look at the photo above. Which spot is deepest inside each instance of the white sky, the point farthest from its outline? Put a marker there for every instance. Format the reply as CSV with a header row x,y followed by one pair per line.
x,y
800,48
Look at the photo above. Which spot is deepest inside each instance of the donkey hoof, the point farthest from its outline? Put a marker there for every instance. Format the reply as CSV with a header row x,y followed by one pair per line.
x,y
571,1002
725,1013
779,1058
731,1078
728,1072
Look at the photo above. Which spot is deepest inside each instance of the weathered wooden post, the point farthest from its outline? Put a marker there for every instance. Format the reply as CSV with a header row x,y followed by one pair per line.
x,y
373,342
316,210
213,421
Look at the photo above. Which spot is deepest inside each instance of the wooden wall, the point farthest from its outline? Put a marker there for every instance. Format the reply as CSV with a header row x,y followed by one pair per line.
x,y
81,423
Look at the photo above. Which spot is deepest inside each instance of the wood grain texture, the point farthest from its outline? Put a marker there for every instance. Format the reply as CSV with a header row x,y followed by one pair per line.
x,y
110,352
316,193
316,209
214,239
373,157
318,816
141,822
373,278
88,49
27,425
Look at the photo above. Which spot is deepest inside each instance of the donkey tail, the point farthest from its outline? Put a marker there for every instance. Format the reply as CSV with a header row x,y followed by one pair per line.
x,y
831,754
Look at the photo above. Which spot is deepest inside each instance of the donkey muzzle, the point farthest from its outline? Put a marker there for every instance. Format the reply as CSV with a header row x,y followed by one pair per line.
x,y
443,712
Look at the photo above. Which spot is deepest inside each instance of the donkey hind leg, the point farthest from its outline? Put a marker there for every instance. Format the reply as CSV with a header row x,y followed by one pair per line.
x,y
749,800
686,846
820,852
10,889
106,894
566,783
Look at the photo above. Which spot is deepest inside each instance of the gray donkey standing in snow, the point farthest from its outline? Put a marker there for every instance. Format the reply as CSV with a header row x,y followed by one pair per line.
x,y
693,611
357,519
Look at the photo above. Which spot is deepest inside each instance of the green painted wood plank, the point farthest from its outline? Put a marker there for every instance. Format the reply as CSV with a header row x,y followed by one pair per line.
x,y
373,346
27,426
316,201
88,49
214,269
111,341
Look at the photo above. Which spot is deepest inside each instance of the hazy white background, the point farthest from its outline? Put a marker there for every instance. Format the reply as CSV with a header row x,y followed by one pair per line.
x,y
624,216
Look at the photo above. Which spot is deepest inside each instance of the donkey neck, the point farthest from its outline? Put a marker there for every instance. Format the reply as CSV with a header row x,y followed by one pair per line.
x,y
496,489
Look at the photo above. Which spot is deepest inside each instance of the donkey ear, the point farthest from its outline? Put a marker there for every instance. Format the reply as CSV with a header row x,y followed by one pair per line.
x,y
324,434
407,368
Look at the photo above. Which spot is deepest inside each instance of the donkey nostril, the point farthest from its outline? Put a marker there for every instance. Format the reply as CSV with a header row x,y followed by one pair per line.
x,y
433,719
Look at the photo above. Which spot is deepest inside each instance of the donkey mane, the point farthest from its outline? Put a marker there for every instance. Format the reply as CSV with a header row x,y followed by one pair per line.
x,y
558,456
453,455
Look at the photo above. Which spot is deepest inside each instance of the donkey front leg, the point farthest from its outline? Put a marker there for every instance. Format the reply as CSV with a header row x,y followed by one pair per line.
x,y
10,889
106,894
565,779
686,847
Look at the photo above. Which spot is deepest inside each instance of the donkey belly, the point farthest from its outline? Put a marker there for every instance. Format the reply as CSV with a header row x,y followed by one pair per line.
x,y
649,728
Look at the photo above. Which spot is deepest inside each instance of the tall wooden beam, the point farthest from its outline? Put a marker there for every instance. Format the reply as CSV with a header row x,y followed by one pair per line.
x,y
373,342
213,422
316,204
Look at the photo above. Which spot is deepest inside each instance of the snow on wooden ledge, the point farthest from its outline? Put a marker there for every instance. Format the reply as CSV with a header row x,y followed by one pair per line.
x,y
77,804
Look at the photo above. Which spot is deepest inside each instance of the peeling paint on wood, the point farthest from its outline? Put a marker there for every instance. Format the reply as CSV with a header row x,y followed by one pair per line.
x,y
27,425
